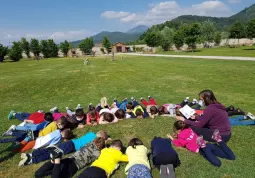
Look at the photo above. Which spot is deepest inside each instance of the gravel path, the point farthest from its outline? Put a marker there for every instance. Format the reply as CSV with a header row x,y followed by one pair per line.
x,y
196,57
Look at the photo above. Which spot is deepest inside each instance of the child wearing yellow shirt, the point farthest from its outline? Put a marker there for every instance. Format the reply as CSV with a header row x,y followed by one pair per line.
x,y
138,165
107,162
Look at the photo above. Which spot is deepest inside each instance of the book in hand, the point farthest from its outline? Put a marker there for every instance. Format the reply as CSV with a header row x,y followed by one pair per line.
x,y
187,111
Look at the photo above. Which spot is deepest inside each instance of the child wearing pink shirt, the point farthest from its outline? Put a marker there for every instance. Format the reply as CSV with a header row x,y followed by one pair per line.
x,y
187,138
92,117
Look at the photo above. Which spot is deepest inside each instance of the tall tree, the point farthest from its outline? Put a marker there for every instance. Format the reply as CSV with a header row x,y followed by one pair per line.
x,y
153,39
87,45
45,49
3,52
65,47
167,38
178,39
251,29
191,34
217,38
106,44
53,48
237,31
35,47
15,53
208,30
25,46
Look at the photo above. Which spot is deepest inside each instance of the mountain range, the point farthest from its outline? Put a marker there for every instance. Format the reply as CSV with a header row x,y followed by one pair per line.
x,y
131,35
222,23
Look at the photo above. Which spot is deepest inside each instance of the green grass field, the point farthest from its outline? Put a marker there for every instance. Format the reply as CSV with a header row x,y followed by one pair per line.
x,y
244,51
30,85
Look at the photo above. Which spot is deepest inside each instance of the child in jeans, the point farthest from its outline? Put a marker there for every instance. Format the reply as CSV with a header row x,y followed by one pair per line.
x,y
34,118
42,154
50,139
107,162
68,167
138,163
48,118
185,137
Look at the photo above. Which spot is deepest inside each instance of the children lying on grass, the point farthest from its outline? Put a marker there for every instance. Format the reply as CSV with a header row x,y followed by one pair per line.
x,y
68,167
77,118
59,124
92,117
107,117
50,139
42,154
185,137
247,120
107,162
48,118
135,110
34,118
138,163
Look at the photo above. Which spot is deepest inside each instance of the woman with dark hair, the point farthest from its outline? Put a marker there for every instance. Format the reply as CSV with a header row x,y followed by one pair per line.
x,y
214,117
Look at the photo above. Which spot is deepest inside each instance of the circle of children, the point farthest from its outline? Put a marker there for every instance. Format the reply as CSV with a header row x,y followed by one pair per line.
x,y
50,137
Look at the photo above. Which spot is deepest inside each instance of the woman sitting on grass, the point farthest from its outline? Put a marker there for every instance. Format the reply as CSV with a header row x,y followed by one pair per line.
x,y
185,137
214,117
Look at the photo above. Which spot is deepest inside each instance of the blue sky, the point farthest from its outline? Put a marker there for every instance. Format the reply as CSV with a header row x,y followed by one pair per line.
x,y
73,20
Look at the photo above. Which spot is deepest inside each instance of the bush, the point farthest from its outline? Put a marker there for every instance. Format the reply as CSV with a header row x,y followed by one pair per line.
x,y
159,49
102,50
134,48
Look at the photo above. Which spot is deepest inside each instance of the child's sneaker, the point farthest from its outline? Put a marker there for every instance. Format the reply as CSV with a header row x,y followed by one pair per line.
x,y
78,106
11,115
200,141
30,135
55,152
67,108
251,116
186,100
54,109
216,135
194,101
89,107
167,171
141,98
9,131
149,97
115,100
25,159
40,111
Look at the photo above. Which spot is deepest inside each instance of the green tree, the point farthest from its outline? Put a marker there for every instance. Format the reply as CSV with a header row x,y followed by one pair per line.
x,y
153,39
3,52
65,47
191,34
35,47
178,39
53,48
25,46
237,31
15,53
217,38
87,45
167,38
208,30
251,29
106,44
45,49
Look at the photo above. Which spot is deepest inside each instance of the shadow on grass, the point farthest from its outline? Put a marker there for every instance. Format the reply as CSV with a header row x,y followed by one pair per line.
x,y
8,156
249,49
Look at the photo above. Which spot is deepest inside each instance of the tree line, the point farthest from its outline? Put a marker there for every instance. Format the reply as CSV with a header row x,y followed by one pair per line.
x,y
48,48
192,34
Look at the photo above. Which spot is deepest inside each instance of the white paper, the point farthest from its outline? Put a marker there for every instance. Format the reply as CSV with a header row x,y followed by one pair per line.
x,y
187,111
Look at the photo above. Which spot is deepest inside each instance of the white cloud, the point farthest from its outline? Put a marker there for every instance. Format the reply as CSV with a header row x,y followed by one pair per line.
x,y
163,11
234,1
114,14
58,36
